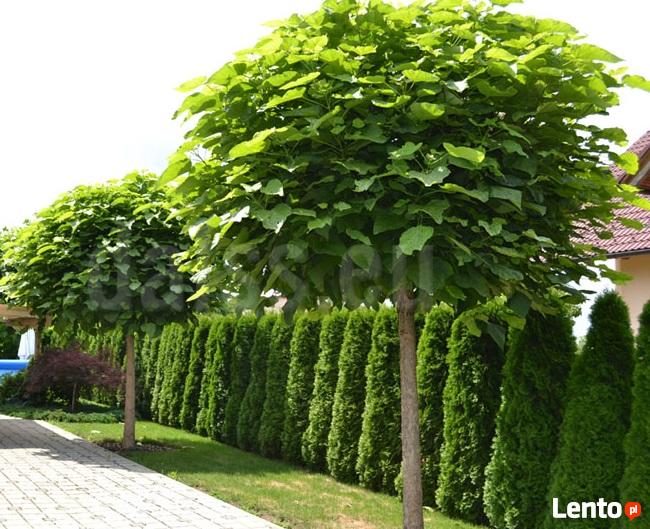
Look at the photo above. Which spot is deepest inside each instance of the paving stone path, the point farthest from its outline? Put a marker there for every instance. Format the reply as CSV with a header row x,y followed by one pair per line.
x,y
50,478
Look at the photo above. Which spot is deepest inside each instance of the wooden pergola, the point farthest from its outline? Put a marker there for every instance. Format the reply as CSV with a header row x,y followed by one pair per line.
x,y
21,319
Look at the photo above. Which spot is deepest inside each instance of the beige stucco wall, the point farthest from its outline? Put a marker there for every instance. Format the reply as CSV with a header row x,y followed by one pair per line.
x,y
637,291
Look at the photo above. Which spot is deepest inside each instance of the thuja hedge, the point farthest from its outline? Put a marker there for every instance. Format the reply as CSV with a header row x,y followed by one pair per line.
x,y
248,424
432,375
272,420
314,440
470,400
635,485
179,365
538,361
349,396
300,385
240,372
207,377
219,383
379,445
590,459
192,391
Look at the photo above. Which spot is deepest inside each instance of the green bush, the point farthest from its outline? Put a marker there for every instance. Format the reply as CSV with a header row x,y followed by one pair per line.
x,y
300,384
174,337
432,376
177,374
591,459
349,396
202,422
314,440
219,385
379,445
149,354
471,399
248,424
158,370
86,413
277,369
635,485
9,342
240,374
11,386
537,365
192,390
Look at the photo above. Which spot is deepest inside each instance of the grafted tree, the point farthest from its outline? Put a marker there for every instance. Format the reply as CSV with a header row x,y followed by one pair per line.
x,y
367,152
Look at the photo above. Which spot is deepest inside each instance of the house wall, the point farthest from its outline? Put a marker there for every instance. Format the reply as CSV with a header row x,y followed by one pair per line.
x,y
635,292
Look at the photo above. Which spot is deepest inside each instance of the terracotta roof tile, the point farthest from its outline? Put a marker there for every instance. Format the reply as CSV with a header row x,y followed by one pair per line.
x,y
625,240
640,147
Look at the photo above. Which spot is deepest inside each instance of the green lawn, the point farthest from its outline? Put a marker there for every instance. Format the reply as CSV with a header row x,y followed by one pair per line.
x,y
287,495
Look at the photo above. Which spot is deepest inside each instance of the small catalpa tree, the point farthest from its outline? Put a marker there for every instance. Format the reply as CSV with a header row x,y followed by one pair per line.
x,y
432,152
102,257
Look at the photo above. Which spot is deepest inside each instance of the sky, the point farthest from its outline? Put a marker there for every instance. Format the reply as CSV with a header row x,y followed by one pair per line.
x,y
87,89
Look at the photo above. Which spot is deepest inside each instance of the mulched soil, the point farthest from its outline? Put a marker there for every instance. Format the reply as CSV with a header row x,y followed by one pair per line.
x,y
140,447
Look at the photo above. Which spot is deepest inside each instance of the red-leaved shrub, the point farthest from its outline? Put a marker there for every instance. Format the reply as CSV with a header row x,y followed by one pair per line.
x,y
65,372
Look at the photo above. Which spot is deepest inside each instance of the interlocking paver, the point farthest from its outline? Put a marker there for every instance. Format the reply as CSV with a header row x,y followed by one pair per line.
x,y
50,478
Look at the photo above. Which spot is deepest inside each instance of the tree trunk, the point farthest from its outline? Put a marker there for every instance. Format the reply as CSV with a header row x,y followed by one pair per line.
x,y
411,458
128,441
37,340
73,401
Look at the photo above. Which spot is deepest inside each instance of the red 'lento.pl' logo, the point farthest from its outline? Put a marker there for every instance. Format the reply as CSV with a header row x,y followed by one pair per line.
x,y
632,509
596,509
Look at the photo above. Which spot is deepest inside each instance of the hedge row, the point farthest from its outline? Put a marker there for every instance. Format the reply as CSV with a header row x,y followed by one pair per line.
x,y
325,393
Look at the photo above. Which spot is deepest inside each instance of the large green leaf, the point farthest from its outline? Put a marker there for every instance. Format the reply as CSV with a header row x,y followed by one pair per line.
x,y
466,153
414,239
427,111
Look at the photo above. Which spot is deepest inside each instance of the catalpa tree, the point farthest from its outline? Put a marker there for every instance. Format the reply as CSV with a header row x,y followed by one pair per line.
x,y
102,257
430,152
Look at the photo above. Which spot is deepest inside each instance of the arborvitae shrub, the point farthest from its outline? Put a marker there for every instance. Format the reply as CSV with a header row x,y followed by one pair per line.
x,y
432,376
300,385
379,445
591,459
159,369
207,390
635,485
314,440
538,361
277,369
221,374
178,374
349,396
471,399
192,390
149,355
240,373
248,425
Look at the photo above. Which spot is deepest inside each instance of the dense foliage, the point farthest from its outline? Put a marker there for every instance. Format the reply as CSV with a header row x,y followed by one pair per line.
x,y
207,388
300,385
470,400
635,485
9,342
176,377
432,375
277,370
350,396
64,373
379,445
537,366
314,440
240,372
221,375
250,412
591,459
192,389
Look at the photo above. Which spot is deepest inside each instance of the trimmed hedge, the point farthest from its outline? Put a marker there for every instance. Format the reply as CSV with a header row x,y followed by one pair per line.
x,y
219,383
300,384
164,357
314,440
202,417
590,460
471,399
240,373
250,413
432,376
635,485
349,396
537,365
277,369
192,389
379,460
178,366
149,361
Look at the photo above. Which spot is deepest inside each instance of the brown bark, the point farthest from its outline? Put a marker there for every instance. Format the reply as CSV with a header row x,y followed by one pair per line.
x,y
411,458
128,440
37,341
